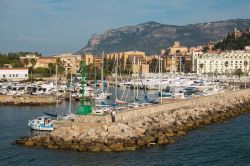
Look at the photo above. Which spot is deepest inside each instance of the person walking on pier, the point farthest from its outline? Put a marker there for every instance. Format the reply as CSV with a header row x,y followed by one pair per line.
x,y
113,115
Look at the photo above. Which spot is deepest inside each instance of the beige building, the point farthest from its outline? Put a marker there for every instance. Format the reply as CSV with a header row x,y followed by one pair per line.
x,y
29,57
131,57
124,56
70,62
88,59
44,61
140,68
177,48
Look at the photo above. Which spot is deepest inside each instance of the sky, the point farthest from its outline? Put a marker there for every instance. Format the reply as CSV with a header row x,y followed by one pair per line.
x,y
60,26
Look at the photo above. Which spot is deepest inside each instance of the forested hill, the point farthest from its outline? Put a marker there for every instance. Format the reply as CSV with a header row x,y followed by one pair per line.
x,y
232,43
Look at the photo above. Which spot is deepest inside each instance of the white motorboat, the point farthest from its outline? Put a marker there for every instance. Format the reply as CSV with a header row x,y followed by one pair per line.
x,y
42,123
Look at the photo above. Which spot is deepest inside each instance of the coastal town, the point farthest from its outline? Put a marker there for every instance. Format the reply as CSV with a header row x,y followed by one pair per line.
x,y
124,82
127,100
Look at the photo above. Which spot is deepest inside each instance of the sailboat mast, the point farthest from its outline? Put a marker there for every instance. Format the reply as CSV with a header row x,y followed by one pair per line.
x,y
95,82
159,63
83,77
134,76
116,77
161,78
138,72
56,89
102,74
70,92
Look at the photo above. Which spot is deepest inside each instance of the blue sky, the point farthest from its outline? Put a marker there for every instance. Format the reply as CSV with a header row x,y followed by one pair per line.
x,y
56,26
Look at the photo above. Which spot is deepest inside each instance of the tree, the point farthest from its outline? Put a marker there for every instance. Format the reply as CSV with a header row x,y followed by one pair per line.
x,y
58,61
164,64
51,66
17,63
154,66
232,43
226,65
245,66
61,69
26,62
238,72
205,49
89,71
201,66
33,62
44,72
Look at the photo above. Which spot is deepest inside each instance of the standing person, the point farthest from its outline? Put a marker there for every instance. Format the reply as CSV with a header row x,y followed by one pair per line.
x,y
113,115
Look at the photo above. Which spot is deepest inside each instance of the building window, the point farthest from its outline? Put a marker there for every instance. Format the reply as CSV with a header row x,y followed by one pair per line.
x,y
16,75
13,75
3,75
10,75
26,75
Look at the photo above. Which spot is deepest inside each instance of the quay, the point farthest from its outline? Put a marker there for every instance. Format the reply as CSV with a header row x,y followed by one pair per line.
x,y
26,100
142,127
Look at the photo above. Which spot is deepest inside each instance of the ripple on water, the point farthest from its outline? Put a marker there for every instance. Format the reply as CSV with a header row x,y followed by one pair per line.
x,y
219,144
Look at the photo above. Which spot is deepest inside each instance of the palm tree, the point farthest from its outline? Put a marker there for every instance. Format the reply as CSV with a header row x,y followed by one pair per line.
x,y
201,66
33,63
58,61
245,66
26,62
238,72
226,65
51,66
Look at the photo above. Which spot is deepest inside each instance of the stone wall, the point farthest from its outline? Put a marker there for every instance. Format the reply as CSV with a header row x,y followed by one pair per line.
x,y
136,114
26,100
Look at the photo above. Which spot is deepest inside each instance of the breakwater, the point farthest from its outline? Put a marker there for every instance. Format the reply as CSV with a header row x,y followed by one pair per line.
x,y
26,100
143,127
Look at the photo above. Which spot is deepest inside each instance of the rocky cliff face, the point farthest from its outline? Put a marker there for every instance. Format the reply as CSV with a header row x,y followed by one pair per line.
x,y
152,36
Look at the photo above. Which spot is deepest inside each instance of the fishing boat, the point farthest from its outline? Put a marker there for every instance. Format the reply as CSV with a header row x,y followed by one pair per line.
x,y
42,123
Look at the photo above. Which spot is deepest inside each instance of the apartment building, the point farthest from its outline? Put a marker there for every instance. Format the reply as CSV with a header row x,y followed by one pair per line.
x,y
221,62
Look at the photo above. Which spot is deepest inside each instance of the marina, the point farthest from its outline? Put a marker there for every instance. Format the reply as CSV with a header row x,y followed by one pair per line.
x,y
131,83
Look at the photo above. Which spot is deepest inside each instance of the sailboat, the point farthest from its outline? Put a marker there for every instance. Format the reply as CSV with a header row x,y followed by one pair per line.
x,y
69,114
117,101
102,95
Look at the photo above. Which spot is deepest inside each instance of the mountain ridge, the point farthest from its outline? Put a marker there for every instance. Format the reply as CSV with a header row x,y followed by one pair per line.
x,y
152,36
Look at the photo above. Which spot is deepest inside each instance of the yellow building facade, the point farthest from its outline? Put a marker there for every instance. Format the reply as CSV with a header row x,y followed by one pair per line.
x,y
130,57
70,62
88,59
177,48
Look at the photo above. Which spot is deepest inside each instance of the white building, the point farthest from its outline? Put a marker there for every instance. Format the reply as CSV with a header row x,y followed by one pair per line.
x,y
221,63
14,73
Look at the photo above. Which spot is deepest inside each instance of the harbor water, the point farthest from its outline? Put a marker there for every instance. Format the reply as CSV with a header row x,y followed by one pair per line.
x,y
218,144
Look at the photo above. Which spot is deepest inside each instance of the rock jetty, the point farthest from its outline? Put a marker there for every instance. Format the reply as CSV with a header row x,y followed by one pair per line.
x,y
143,127
26,100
